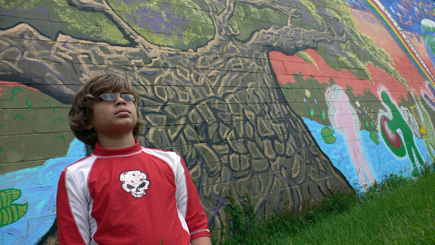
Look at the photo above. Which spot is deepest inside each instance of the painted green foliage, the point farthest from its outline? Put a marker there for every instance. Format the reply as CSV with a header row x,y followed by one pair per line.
x,y
354,56
248,18
187,25
9,211
307,58
53,16
309,97
374,137
327,135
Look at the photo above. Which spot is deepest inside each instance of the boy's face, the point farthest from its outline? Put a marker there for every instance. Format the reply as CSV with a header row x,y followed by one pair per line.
x,y
113,117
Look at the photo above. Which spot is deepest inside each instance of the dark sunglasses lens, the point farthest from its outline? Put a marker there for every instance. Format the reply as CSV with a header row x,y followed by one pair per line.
x,y
128,97
108,96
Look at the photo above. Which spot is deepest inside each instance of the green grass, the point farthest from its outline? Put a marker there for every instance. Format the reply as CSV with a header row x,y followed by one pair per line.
x,y
396,211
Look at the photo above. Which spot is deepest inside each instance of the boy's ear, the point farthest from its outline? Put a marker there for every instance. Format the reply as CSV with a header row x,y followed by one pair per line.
x,y
88,126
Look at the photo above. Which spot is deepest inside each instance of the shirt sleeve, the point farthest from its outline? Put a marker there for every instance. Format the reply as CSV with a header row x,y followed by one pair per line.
x,y
189,203
72,214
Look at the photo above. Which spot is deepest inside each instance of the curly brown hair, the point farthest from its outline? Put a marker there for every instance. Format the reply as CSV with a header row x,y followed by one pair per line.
x,y
81,109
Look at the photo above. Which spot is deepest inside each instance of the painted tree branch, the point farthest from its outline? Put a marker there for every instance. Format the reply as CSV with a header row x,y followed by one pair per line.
x,y
285,9
130,34
220,22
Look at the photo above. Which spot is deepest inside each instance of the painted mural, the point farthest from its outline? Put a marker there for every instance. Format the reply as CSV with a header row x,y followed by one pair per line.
x,y
283,100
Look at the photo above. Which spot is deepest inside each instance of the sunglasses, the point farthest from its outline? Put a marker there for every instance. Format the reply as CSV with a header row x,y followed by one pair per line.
x,y
113,97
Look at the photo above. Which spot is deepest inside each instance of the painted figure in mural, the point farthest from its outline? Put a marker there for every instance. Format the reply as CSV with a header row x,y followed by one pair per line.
x,y
344,118
389,128
429,136
124,193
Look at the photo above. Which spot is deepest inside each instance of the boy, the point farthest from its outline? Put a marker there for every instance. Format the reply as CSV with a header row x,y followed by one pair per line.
x,y
123,193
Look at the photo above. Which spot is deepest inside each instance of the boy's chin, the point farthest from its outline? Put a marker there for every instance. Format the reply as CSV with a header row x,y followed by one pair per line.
x,y
120,129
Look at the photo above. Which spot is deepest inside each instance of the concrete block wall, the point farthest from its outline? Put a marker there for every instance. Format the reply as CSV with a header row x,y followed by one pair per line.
x,y
282,100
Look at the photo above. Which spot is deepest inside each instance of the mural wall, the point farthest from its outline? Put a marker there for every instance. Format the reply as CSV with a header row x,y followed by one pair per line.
x,y
283,100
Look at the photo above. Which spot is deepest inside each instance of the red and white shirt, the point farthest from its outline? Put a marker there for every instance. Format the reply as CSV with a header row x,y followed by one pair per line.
x,y
134,195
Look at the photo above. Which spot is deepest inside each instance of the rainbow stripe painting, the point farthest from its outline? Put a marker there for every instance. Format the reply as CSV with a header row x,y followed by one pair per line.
x,y
379,9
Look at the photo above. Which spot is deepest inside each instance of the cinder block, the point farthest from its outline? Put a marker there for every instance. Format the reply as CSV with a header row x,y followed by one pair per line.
x,y
33,147
51,120
15,122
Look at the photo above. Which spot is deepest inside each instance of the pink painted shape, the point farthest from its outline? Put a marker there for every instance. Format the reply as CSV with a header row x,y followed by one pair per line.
x,y
344,118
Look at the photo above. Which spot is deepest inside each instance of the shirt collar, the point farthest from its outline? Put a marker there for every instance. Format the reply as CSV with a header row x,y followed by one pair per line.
x,y
100,151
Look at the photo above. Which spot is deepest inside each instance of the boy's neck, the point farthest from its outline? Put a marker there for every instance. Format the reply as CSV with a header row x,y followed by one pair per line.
x,y
115,141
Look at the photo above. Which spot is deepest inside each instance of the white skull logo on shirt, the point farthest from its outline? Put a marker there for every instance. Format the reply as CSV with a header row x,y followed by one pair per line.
x,y
134,182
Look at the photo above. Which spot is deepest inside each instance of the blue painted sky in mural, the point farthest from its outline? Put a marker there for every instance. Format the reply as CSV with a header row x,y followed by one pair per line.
x,y
407,13
429,26
358,4
38,188
379,158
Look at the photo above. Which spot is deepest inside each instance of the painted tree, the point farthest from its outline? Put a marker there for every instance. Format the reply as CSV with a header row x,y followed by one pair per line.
x,y
219,104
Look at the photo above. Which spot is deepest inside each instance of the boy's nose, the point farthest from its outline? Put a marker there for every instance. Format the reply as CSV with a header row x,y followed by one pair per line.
x,y
119,100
